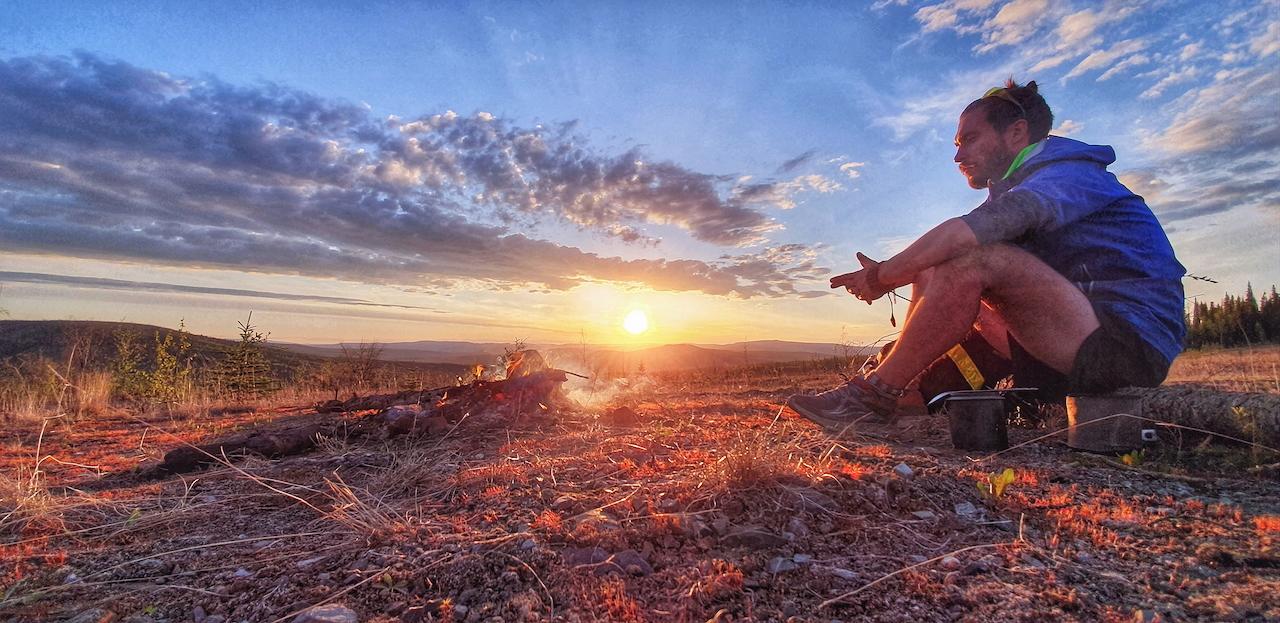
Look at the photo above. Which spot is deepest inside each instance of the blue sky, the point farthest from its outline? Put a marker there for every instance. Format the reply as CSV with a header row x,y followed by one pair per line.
x,y
497,171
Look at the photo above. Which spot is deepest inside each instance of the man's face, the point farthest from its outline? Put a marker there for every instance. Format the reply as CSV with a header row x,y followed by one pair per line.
x,y
982,153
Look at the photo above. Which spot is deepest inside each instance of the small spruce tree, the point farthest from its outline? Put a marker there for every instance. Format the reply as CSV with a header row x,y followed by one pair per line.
x,y
245,372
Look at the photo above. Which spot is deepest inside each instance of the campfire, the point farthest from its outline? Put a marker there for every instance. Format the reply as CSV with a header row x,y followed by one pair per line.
x,y
530,390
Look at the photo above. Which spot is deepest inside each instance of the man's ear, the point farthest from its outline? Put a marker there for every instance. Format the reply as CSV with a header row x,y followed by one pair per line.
x,y
1018,133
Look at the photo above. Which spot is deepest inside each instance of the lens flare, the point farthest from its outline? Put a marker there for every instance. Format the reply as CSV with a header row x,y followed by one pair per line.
x,y
636,322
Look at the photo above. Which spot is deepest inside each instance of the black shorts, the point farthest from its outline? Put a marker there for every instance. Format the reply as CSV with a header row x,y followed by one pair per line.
x,y
1111,357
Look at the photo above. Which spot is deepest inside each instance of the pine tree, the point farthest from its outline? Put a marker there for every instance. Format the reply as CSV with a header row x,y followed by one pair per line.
x,y
245,372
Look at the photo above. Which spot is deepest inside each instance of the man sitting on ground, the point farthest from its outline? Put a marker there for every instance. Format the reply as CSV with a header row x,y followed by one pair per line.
x,y
1063,271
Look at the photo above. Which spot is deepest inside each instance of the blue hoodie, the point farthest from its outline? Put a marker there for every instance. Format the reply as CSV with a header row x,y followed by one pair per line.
x,y
1064,207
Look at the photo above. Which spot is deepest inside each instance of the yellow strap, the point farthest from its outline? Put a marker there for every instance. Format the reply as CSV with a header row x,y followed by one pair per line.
x,y
967,367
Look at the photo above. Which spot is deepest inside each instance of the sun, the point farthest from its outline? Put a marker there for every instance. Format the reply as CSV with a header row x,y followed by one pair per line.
x,y
636,322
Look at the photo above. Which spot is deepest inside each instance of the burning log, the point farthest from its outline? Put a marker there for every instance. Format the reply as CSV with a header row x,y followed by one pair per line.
x,y
534,389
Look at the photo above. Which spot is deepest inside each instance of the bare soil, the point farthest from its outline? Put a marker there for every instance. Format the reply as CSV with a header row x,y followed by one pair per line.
x,y
706,502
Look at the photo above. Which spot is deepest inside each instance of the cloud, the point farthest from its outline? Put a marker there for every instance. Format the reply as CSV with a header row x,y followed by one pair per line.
x,y
792,164
171,288
1119,68
1268,42
1105,58
1170,78
1015,22
1066,128
1235,116
852,169
103,159
781,194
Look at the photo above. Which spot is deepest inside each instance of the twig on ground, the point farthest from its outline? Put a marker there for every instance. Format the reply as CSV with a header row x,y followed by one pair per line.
x,y
335,595
840,598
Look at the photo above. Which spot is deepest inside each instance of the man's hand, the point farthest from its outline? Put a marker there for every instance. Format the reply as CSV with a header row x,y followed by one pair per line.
x,y
864,284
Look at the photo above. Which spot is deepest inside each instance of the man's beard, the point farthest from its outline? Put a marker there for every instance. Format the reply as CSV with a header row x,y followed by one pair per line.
x,y
1000,160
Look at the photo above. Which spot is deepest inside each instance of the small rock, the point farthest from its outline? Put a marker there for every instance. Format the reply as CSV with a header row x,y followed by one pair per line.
x,y
1147,616
803,559
1201,572
797,527
621,416
951,563
916,559
303,564
720,524
840,572
598,520
812,500
528,544
691,525
198,614
790,609
242,573
904,471
781,564
752,536
585,556
96,615
968,512
71,578
461,610
976,567
399,419
925,515
628,561
330,613
1084,557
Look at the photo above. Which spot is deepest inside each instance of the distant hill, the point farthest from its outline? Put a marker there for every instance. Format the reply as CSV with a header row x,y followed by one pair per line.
x,y
613,359
93,343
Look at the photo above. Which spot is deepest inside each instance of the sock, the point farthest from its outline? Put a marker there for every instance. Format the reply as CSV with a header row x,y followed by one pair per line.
x,y
883,388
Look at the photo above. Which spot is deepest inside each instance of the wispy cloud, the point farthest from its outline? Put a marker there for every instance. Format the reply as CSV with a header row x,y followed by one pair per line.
x,y
101,283
103,159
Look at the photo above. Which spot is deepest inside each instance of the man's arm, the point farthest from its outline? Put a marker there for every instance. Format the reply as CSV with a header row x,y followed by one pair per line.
x,y
950,239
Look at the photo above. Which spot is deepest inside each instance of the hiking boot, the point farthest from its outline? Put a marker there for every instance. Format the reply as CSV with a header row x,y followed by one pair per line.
x,y
837,409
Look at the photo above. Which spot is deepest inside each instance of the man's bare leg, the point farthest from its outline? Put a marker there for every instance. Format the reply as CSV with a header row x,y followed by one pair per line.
x,y
1048,315
989,324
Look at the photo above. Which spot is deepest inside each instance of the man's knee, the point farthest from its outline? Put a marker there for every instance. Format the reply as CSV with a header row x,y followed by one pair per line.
x,y
993,265
979,266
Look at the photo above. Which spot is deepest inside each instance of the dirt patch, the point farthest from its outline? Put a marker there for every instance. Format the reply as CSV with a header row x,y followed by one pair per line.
x,y
706,502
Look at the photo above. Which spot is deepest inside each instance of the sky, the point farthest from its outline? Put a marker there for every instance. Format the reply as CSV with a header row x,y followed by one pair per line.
x,y
496,171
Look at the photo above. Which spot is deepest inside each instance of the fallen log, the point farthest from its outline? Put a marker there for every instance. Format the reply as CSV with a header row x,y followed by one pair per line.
x,y
269,444
1253,417
426,412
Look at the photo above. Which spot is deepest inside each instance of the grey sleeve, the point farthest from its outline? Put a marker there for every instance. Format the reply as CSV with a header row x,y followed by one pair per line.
x,y
1009,216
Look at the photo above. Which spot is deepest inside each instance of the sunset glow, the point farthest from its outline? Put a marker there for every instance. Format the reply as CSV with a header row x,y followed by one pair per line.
x,y
636,322
540,172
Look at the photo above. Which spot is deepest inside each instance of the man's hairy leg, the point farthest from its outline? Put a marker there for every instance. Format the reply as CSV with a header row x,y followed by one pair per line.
x,y
1048,315
988,323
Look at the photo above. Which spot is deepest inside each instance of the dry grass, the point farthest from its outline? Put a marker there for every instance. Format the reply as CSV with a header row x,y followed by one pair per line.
x,y
1254,369
494,509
